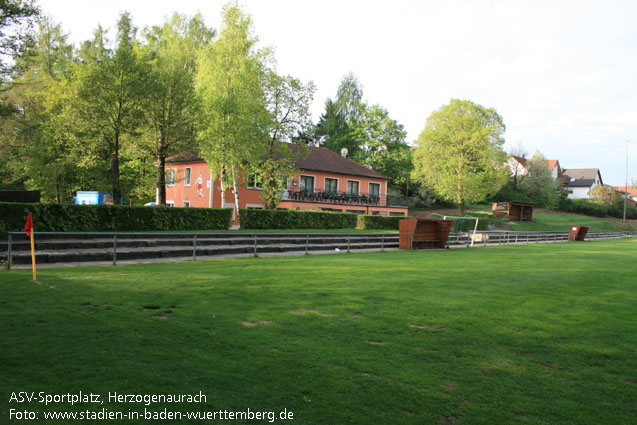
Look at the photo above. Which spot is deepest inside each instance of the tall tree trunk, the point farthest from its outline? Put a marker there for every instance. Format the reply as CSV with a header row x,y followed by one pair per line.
x,y
117,191
236,192
161,169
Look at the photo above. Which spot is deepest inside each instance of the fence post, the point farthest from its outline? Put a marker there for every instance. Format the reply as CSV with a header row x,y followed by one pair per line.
x,y
411,245
194,248
307,243
348,241
115,249
9,251
255,245
382,242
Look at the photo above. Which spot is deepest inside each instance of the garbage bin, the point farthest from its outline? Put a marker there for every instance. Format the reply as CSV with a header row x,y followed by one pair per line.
x,y
577,233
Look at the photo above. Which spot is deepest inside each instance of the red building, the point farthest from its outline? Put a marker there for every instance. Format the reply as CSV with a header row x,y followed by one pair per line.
x,y
326,182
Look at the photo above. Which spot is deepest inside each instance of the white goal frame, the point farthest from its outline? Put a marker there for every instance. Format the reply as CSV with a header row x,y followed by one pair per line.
x,y
457,217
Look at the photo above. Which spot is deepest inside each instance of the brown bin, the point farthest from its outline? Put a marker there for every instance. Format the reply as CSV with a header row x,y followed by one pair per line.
x,y
420,233
577,233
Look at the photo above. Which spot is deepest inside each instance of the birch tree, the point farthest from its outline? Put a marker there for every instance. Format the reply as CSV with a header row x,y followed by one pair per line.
x,y
233,115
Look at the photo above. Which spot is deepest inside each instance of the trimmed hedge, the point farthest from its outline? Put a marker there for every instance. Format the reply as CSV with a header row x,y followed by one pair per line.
x,y
378,222
110,218
292,219
591,208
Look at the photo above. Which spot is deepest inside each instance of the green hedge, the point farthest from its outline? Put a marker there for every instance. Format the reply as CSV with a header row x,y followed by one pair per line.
x,y
292,219
110,218
592,208
378,222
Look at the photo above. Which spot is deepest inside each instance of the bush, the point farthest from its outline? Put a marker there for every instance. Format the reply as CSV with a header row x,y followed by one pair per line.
x,y
292,219
592,208
110,218
378,222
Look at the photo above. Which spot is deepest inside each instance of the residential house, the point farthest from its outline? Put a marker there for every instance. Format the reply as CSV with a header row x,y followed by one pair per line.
x,y
327,182
580,181
517,165
632,193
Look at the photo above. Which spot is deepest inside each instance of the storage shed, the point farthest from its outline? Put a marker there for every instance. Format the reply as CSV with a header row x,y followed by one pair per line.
x,y
513,211
420,233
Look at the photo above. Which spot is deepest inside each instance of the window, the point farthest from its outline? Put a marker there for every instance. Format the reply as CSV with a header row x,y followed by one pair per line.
x,y
374,189
187,176
254,181
170,203
352,187
331,185
170,177
356,211
186,204
397,214
307,183
254,206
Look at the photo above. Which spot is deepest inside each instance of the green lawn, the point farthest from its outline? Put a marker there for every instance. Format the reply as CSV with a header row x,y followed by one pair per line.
x,y
536,334
561,223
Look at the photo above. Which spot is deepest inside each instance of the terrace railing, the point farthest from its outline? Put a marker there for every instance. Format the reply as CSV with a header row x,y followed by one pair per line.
x,y
360,198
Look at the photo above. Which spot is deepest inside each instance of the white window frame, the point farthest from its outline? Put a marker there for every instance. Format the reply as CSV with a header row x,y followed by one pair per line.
x,y
174,177
359,187
369,188
186,204
255,206
325,183
170,203
254,187
187,176
313,181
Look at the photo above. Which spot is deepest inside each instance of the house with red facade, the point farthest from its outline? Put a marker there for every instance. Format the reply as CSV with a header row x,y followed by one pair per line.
x,y
327,181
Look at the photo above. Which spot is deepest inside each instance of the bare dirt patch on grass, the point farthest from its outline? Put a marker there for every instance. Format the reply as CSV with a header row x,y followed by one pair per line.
x,y
377,343
253,323
304,312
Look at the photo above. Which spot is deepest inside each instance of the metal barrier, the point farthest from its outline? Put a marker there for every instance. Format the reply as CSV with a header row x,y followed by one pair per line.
x,y
455,239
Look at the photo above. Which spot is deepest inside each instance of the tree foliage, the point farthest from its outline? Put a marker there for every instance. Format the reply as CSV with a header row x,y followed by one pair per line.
x,y
459,153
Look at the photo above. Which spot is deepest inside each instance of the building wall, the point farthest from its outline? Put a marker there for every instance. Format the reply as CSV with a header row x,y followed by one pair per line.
x,y
579,193
197,192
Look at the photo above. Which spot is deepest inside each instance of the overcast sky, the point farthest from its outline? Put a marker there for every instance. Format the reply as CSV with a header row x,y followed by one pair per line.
x,y
563,74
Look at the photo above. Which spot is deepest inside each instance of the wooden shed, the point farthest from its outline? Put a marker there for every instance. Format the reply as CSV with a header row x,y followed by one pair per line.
x,y
513,211
421,233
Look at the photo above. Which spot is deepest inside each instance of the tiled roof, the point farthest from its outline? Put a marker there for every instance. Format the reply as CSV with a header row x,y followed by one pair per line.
x,y
580,177
552,164
632,191
322,159
315,159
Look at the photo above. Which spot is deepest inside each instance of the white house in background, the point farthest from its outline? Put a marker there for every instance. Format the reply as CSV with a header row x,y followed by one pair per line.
x,y
580,181
555,169
517,165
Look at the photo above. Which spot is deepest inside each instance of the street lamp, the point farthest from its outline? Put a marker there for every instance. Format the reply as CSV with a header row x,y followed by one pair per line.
x,y
626,183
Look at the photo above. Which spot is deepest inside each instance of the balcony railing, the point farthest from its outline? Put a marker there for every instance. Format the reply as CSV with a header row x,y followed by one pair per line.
x,y
344,198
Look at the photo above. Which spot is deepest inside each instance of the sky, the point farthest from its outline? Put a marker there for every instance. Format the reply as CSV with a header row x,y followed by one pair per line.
x,y
562,74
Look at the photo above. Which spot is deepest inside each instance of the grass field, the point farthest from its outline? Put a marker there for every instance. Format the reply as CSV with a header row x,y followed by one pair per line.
x,y
541,334
561,222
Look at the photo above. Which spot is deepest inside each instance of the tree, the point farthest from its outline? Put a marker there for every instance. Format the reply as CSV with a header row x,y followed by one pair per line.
x,y
606,195
538,185
16,19
39,146
382,145
288,102
459,153
172,108
113,94
341,116
233,115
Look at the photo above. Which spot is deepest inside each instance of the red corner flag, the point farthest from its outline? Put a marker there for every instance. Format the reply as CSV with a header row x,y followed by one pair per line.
x,y
29,225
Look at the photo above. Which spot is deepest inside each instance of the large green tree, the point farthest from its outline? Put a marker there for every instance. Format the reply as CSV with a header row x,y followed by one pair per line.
x,y
229,83
113,89
382,145
459,153
172,109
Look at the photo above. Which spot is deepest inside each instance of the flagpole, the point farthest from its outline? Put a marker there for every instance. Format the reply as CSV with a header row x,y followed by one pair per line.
x,y
32,255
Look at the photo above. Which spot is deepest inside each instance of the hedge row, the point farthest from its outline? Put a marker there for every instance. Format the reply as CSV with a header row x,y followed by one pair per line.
x,y
588,207
378,222
292,219
110,218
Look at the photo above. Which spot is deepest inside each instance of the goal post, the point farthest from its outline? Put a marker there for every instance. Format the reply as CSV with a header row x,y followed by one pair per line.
x,y
457,217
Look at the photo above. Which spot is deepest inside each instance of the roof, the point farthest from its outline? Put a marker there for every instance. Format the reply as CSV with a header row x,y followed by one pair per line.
x,y
553,163
519,159
632,191
582,177
317,159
